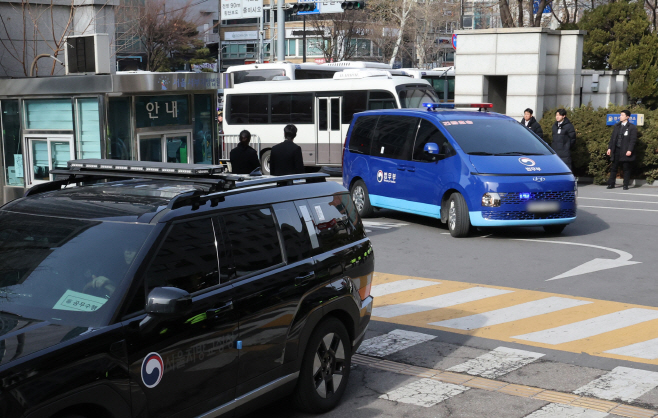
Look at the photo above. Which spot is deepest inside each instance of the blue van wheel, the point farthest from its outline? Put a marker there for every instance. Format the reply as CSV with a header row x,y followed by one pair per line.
x,y
459,223
361,199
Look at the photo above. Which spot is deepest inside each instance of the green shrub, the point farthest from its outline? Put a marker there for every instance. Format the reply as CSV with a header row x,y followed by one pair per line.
x,y
592,136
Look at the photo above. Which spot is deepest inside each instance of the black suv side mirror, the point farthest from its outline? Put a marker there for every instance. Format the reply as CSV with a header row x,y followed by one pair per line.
x,y
168,301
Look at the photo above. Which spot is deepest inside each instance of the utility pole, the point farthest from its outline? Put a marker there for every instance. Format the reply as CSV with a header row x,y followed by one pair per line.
x,y
281,40
304,39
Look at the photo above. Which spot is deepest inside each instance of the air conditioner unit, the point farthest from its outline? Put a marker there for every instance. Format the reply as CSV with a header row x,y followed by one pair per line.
x,y
467,22
88,54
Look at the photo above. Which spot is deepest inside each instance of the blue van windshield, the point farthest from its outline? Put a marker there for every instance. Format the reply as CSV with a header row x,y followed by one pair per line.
x,y
495,137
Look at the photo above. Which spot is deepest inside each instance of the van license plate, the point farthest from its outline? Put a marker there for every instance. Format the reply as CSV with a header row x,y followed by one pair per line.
x,y
543,207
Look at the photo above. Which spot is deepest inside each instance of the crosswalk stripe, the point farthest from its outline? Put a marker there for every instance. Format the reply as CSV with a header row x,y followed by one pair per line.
x,y
645,349
555,410
590,327
621,383
497,362
436,302
512,313
394,341
424,392
399,286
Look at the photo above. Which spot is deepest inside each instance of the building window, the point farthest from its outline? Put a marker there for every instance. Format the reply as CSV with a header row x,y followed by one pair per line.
x,y
240,51
291,47
89,129
362,47
118,129
215,26
203,126
314,47
49,114
11,141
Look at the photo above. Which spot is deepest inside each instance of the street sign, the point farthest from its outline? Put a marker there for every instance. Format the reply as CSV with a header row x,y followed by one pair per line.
x,y
312,12
454,41
535,7
635,119
241,9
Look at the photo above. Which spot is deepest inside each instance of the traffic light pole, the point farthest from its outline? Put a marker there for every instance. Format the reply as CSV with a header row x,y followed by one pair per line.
x,y
281,39
304,39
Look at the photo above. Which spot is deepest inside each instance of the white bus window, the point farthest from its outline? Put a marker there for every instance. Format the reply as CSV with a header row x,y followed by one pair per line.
x,y
313,74
256,75
246,109
354,102
414,97
281,108
302,108
381,100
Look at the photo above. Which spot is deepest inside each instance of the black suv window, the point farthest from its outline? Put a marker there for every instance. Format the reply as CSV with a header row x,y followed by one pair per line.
x,y
336,221
394,137
253,239
187,259
362,134
428,132
295,237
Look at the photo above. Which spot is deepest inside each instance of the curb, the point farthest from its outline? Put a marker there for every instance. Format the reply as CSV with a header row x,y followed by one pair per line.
x,y
618,182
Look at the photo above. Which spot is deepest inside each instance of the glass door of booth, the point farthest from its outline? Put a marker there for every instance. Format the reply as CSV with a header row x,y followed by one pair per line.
x,y
166,147
46,153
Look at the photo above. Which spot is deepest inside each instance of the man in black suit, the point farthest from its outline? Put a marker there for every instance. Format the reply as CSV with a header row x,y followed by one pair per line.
x,y
564,136
621,148
286,157
244,159
531,123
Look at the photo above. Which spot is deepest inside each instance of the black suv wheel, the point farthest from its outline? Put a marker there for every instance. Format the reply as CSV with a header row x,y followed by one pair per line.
x,y
325,368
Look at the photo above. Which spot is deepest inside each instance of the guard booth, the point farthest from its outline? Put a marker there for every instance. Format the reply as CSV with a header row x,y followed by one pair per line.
x,y
160,117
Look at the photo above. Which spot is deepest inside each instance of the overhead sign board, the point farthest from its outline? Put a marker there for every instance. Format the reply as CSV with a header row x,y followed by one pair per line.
x,y
635,119
241,9
239,36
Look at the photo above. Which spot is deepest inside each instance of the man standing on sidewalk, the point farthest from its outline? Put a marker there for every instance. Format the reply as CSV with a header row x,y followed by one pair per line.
x,y
621,148
531,123
564,136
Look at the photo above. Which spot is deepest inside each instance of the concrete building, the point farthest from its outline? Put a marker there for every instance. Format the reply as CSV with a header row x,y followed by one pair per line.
x,y
535,68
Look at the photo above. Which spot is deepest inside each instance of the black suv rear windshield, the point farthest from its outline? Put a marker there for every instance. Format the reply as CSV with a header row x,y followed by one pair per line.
x,y
65,270
495,137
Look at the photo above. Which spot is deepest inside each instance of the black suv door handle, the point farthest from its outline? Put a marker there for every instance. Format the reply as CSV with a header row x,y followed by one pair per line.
x,y
299,280
212,313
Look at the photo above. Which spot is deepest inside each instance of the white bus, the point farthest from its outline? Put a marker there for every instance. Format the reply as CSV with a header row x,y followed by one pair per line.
x,y
321,109
442,79
266,72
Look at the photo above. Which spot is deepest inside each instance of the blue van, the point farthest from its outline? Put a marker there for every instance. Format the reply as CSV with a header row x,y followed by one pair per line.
x,y
466,168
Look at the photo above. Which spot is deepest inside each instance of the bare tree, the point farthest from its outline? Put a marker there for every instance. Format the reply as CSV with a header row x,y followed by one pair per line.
x,y
339,33
523,17
429,17
391,17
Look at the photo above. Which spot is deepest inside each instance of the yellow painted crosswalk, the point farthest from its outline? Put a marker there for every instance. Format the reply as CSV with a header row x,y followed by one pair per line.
x,y
561,322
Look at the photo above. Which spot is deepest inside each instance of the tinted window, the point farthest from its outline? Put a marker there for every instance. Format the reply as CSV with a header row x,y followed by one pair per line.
x,y
354,102
258,105
302,108
495,137
361,136
414,97
244,109
295,237
313,74
253,239
381,100
394,137
256,75
428,132
187,259
336,221
335,114
439,84
281,108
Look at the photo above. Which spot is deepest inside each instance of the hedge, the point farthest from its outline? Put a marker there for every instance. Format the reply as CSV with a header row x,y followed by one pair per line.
x,y
592,137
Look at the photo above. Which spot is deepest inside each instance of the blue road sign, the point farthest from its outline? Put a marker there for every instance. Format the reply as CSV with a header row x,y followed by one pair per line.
x,y
454,41
613,118
535,7
315,11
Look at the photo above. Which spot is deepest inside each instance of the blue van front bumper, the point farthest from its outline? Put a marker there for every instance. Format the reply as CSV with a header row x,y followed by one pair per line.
x,y
517,196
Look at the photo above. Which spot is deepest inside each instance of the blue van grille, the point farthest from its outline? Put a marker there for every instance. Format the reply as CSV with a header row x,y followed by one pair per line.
x,y
518,215
515,199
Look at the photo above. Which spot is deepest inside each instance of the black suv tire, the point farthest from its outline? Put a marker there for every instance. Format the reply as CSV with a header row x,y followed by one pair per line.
x,y
459,223
361,198
326,363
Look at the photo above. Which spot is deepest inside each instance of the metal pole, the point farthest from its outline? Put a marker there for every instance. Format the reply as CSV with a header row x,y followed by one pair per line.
x,y
281,41
261,35
271,32
304,39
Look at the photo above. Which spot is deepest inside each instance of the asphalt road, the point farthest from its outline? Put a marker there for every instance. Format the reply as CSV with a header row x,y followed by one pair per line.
x,y
572,318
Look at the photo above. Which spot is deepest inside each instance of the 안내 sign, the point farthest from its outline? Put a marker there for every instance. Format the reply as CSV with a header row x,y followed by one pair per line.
x,y
635,119
241,9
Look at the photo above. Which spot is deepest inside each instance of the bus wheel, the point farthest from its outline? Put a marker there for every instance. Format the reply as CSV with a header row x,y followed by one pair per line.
x,y
459,223
265,163
554,229
361,199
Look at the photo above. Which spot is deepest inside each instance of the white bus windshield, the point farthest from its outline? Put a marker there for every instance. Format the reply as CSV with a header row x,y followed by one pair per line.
x,y
412,97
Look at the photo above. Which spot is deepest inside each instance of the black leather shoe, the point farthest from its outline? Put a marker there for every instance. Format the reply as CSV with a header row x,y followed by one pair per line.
x,y
625,187
610,186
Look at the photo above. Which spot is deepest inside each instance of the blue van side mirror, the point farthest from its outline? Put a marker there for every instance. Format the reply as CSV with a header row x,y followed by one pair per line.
x,y
431,148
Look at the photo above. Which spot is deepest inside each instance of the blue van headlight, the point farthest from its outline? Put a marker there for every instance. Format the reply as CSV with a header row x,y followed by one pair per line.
x,y
491,200
575,188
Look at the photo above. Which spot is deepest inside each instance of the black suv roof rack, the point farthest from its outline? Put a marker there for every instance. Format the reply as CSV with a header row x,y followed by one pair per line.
x,y
78,171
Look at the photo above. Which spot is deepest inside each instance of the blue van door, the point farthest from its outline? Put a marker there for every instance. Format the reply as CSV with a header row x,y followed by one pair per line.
x,y
390,168
431,174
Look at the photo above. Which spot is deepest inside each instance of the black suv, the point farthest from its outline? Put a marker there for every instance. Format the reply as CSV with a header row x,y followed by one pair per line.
x,y
131,289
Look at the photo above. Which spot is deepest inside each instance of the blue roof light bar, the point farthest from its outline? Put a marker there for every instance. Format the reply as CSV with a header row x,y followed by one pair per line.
x,y
432,106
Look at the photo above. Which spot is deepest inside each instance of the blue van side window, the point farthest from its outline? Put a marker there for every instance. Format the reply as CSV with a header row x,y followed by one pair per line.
x,y
362,134
428,132
394,137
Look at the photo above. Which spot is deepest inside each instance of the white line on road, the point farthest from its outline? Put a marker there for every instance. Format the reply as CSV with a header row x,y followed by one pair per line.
x,y
621,383
497,362
591,327
607,207
645,349
399,286
556,410
617,200
591,266
512,313
634,194
394,341
438,302
424,392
